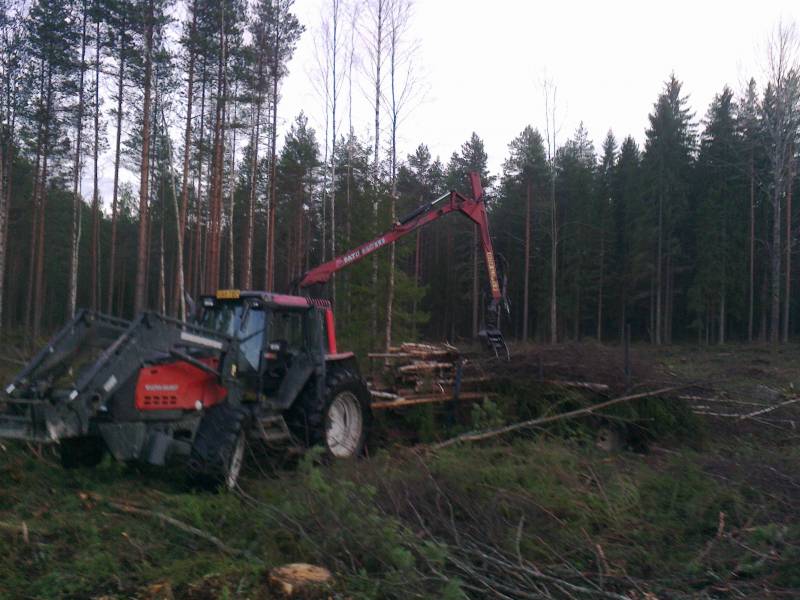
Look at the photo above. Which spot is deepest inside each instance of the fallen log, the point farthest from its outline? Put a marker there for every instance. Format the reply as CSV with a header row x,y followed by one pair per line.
x,y
475,436
164,518
585,385
770,408
403,402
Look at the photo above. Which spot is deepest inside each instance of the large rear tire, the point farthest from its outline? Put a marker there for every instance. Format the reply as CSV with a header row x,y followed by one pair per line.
x,y
339,421
218,448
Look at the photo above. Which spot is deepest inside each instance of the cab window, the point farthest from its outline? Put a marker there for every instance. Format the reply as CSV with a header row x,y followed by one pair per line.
x,y
244,321
287,326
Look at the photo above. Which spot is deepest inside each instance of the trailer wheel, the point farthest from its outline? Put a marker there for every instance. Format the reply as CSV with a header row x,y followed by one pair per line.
x,y
85,451
338,421
218,448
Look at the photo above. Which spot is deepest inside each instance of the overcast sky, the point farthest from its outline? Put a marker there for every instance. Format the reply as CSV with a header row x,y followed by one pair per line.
x,y
481,66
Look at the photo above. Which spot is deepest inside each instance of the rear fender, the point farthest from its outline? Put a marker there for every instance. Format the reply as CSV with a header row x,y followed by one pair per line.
x,y
345,360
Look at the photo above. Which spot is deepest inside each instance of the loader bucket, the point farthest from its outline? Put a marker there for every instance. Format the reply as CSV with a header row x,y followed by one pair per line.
x,y
31,406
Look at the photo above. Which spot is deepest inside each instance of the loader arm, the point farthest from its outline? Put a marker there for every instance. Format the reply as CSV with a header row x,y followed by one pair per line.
x,y
52,412
474,209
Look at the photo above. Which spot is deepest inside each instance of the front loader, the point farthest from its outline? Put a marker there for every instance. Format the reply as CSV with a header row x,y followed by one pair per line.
x,y
251,365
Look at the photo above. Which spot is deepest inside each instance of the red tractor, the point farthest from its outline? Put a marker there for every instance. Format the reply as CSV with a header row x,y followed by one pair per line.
x,y
249,364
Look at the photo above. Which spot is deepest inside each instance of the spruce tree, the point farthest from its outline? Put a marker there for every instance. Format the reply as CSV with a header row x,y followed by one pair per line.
x,y
523,183
719,218
668,154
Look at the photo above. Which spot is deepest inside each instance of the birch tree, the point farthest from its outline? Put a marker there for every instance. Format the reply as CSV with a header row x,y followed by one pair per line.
x,y
376,14
76,198
780,118
402,86
552,129
94,300
190,43
144,175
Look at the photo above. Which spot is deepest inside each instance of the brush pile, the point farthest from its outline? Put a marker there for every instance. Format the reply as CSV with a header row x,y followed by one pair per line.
x,y
418,374
594,367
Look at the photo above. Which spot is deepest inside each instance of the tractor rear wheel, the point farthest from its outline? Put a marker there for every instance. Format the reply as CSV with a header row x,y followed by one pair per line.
x,y
340,419
85,451
218,448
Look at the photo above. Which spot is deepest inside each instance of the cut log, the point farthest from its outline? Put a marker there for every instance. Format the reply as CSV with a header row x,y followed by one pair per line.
x,y
300,580
388,395
412,347
431,399
586,385
424,367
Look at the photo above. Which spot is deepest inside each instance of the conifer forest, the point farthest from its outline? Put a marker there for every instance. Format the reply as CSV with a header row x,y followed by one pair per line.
x,y
636,439
686,236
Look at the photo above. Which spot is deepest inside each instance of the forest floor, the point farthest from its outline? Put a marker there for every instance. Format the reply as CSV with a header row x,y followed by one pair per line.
x,y
699,499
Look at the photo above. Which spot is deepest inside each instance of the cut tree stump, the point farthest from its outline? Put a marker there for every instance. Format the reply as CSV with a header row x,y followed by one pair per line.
x,y
300,580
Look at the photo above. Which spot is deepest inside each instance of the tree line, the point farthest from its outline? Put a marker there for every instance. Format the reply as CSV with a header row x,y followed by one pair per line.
x,y
690,236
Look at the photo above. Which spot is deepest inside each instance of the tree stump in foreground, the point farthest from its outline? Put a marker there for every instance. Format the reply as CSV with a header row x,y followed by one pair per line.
x,y
300,580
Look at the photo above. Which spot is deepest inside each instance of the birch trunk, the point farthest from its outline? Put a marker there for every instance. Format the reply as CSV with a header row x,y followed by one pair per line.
x,y
95,246
179,297
553,260
72,293
144,180
787,301
334,53
376,158
117,153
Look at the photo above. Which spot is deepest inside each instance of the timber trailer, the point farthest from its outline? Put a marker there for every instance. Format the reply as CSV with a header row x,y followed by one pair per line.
x,y
248,365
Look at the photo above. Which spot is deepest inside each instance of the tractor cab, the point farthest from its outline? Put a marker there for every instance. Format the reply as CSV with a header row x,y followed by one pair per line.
x,y
280,338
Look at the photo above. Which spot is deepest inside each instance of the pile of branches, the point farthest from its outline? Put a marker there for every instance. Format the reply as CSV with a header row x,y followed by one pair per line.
x,y
431,529
448,537
594,367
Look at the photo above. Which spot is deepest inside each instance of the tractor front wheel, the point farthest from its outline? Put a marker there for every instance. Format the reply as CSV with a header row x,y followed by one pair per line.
x,y
218,448
85,451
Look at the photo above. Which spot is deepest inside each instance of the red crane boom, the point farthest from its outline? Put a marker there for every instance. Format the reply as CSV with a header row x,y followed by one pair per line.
x,y
473,208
